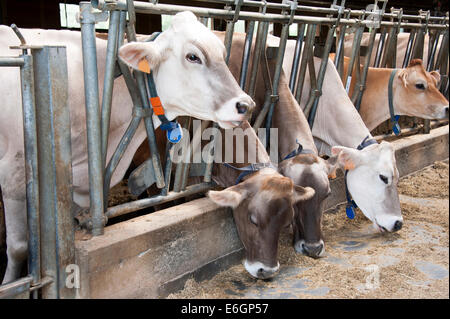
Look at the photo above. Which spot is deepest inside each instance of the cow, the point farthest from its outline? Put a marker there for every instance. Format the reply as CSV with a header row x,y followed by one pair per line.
x,y
338,129
191,78
415,93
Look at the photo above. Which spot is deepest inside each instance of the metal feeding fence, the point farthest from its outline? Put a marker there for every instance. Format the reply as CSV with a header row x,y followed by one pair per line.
x,y
46,118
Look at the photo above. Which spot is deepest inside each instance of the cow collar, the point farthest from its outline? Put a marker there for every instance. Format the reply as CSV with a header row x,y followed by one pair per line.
x,y
246,170
299,150
351,205
394,118
173,129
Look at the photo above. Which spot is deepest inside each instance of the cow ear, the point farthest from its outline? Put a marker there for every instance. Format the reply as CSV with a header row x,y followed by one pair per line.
x,y
332,165
302,193
436,76
142,56
403,75
229,197
347,158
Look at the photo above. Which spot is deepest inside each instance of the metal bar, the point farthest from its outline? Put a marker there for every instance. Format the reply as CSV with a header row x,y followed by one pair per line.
x,y
159,199
150,8
297,54
16,289
409,46
355,51
108,83
118,153
307,51
246,54
95,161
167,169
339,56
55,168
276,77
380,48
357,94
260,44
148,121
11,61
180,174
31,167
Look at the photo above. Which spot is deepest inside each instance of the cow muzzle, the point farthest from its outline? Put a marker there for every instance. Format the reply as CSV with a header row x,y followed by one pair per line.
x,y
313,250
259,270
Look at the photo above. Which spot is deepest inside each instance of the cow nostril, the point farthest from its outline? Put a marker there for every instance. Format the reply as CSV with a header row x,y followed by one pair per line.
x,y
398,225
260,271
446,111
241,107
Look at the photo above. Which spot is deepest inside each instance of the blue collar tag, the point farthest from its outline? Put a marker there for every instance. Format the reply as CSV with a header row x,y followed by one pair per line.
x,y
350,211
174,131
396,127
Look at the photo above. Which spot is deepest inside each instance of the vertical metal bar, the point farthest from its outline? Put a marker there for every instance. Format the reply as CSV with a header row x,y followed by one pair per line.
x,y
357,94
409,46
380,48
432,54
108,83
355,51
277,75
55,168
339,57
31,167
246,54
261,36
307,51
92,118
180,173
297,54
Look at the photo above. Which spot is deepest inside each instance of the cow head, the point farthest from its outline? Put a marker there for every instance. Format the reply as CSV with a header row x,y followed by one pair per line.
x,y
372,181
313,171
262,207
191,76
417,93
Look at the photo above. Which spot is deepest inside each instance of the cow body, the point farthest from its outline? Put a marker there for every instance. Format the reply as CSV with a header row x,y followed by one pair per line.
x,y
191,38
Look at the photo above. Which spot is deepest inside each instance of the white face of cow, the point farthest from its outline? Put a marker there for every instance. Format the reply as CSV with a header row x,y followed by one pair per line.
x,y
372,181
191,76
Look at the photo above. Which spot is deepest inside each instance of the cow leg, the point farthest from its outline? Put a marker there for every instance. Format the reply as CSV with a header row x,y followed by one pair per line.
x,y
16,237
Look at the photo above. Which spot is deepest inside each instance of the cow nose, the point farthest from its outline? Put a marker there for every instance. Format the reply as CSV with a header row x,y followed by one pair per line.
x,y
265,274
242,107
313,250
446,111
398,225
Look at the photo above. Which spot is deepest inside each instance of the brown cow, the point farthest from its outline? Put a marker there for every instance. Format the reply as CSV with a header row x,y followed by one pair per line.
x,y
415,93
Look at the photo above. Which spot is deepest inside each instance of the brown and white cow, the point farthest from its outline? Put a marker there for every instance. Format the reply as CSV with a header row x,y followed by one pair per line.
x,y
191,78
372,172
415,93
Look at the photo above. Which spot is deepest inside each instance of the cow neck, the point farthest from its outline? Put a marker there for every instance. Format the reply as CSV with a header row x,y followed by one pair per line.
x,y
294,135
351,205
245,170
382,81
173,129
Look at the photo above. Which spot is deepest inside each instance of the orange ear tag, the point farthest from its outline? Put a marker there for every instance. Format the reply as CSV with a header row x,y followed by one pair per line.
x,y
143,66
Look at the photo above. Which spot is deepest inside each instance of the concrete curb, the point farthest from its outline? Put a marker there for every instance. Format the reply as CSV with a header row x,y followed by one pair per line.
x,y
153,255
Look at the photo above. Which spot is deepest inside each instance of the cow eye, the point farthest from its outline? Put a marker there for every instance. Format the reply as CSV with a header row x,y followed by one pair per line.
x,y
384,179
420,86
252,219
191,57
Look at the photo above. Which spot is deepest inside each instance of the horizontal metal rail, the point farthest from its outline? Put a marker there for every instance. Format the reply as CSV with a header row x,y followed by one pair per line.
x,y
11,61
150,8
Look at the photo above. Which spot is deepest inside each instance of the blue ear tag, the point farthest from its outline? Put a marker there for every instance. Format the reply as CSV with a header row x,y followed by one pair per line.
x,y
396,128
350,211
175,134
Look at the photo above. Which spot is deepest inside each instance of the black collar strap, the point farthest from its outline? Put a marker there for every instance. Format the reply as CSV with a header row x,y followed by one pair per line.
x,y
351,205
173,128
394,118
299,150
246,170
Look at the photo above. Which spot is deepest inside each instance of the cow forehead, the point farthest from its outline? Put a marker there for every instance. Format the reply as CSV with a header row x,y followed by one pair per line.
x,y
202,37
